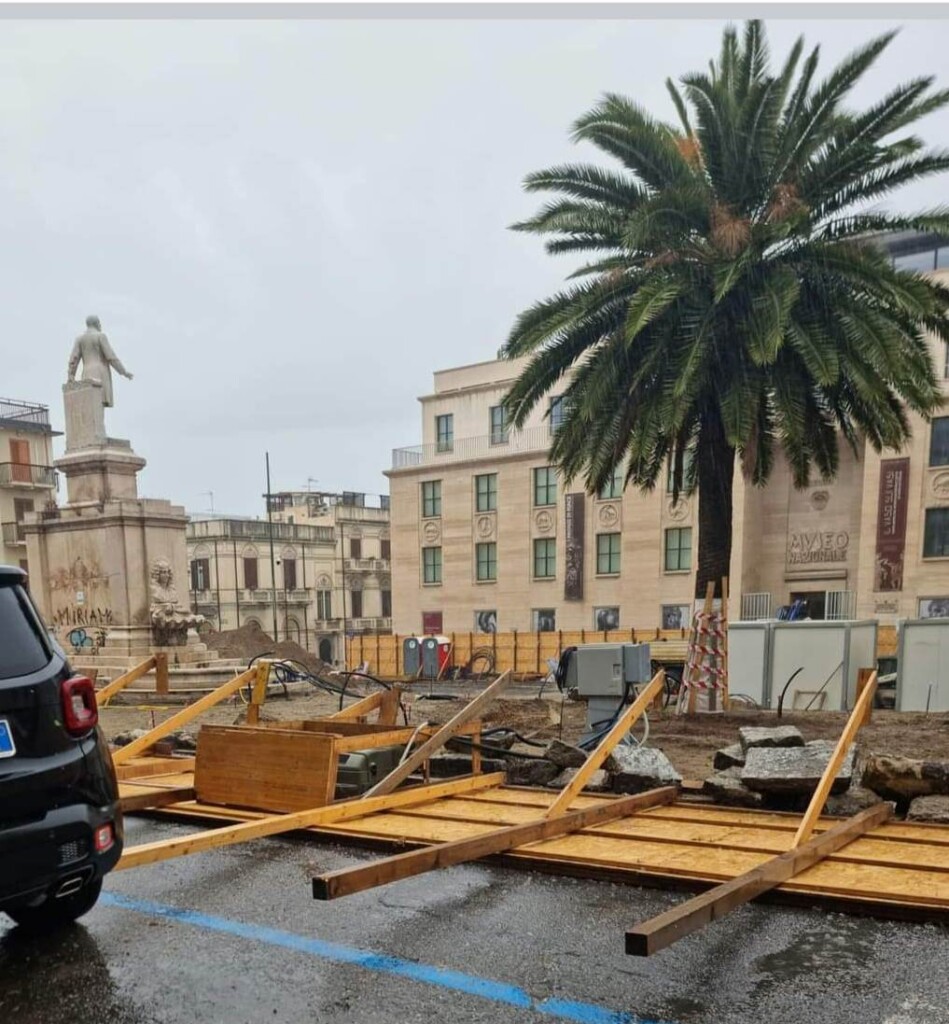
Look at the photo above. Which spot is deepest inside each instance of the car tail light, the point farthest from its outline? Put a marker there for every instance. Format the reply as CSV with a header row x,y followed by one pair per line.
x,y
80,712
104,838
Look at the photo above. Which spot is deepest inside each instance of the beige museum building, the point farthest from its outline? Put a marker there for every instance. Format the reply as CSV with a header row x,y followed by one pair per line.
x,y
483,528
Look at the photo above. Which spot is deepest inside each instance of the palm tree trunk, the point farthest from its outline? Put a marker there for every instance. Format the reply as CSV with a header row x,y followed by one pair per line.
x,y
716,468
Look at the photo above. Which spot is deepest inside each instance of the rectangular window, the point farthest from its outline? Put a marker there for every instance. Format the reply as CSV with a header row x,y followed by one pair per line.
x,y
498,420
289,574
385,550
355,547
545,486
545,558
607,554
557,413
445,432
939,442
679,549
355,603
544,620
432,565
605,619
386,604
200,574
614,487
486,558
686,469
431,499
486,492
936,536
324,604
250,573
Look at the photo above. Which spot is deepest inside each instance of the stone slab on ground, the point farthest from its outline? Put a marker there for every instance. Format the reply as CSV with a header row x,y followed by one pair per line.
x,y
565,755
752,736
729,757
789,771
903,778
853,801
443,766
637,769
929,808
599,781
531,773
726,788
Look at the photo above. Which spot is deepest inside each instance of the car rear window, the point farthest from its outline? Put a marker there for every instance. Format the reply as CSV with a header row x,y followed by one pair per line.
x,y
22,647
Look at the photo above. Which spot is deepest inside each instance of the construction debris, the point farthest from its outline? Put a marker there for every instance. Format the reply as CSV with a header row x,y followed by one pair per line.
x,y
753,737
599,781
793,771
902,778
729,757
642,768
726,788
929,808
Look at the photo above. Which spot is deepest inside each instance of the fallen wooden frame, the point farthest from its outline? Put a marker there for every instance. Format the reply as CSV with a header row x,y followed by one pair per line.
x,y
157,662
661,931
386,702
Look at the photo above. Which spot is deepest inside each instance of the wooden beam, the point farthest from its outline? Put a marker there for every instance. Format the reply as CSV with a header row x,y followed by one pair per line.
x,y
161,673
104,695
183,717
345,810
140,768
156,798
359,710
441,737
430,858
258,693
389,706
606,745
661,931
858,717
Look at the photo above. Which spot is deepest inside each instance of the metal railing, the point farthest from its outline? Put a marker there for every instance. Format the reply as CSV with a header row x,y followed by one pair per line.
x,y
463,448
755,607
367,565
24,412
841,604
13,534
13,474
256,529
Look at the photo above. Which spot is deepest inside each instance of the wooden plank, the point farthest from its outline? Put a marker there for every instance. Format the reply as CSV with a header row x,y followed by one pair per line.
x,y
441,737
389,707
140,768
367,876
150,853
266,769
859,715
661,931
161,673
258,693
104,695
155,798
606,745
183,717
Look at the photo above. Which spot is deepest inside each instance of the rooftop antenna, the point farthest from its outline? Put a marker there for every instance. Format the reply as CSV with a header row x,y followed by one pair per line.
x,y
210,495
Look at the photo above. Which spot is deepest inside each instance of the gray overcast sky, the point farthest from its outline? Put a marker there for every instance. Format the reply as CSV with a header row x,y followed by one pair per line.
x,y
286,226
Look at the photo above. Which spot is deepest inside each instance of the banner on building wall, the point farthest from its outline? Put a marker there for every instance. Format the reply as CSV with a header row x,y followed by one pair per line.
x,y
432,623
573,573
891,525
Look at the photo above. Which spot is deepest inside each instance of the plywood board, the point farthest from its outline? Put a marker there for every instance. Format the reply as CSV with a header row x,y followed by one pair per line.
x,y
268,769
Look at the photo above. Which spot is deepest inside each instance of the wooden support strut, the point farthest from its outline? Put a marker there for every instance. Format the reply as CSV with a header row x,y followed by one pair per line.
x,y
441,737
606,746
696,913
156,798
104,695
183,717
258,693
659,932
386,702
345,810
430,858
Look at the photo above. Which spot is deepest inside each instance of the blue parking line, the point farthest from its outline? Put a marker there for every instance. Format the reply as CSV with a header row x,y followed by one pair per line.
x,y
457,981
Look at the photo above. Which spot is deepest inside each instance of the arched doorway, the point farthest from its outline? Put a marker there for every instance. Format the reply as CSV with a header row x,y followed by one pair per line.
x,y
326,650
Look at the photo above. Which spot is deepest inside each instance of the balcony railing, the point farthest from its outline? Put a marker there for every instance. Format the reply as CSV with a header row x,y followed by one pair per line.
x,y
533,439
256,529
367,564
755,607
21,474
24,412
13,534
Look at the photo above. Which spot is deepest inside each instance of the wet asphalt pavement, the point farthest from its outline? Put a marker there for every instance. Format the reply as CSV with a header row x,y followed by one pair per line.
x,y
234,936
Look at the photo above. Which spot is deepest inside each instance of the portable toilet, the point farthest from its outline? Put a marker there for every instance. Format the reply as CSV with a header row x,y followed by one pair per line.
x,y
436,656
411,655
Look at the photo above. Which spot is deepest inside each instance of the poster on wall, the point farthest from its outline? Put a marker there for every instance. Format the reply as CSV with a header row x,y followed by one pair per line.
x,y
573,573
891,525
431,623
606,619
676,616
486,621
934,607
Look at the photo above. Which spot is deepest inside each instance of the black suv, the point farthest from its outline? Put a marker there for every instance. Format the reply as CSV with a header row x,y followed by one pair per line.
x,y
60,825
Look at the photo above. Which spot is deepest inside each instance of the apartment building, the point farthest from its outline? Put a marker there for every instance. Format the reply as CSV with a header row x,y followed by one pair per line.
x,y
486,536
27,477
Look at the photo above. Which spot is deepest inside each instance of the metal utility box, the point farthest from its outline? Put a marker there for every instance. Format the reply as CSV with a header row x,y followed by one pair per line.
x,y
362,769
411,655
436,656
605,670
763,656
922,674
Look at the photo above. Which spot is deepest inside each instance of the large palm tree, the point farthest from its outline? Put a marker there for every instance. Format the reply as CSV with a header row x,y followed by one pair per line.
x,y
735,302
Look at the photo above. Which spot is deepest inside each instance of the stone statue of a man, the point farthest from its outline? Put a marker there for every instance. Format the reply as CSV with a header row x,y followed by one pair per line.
x,y
92,348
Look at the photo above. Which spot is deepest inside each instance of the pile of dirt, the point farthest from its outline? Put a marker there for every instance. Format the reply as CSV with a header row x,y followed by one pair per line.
x,y
251,641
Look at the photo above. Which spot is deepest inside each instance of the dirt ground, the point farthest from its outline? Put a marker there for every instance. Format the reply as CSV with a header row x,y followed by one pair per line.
x,y
689,743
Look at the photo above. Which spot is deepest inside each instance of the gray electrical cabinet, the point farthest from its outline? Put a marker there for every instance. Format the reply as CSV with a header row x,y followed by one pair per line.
x,y
411,656
606,670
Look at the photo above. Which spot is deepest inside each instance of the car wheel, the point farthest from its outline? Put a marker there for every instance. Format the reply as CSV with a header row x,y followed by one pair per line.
x,y
55,913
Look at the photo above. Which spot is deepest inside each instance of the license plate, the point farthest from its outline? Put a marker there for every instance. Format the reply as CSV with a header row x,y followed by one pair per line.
x,y
7,746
